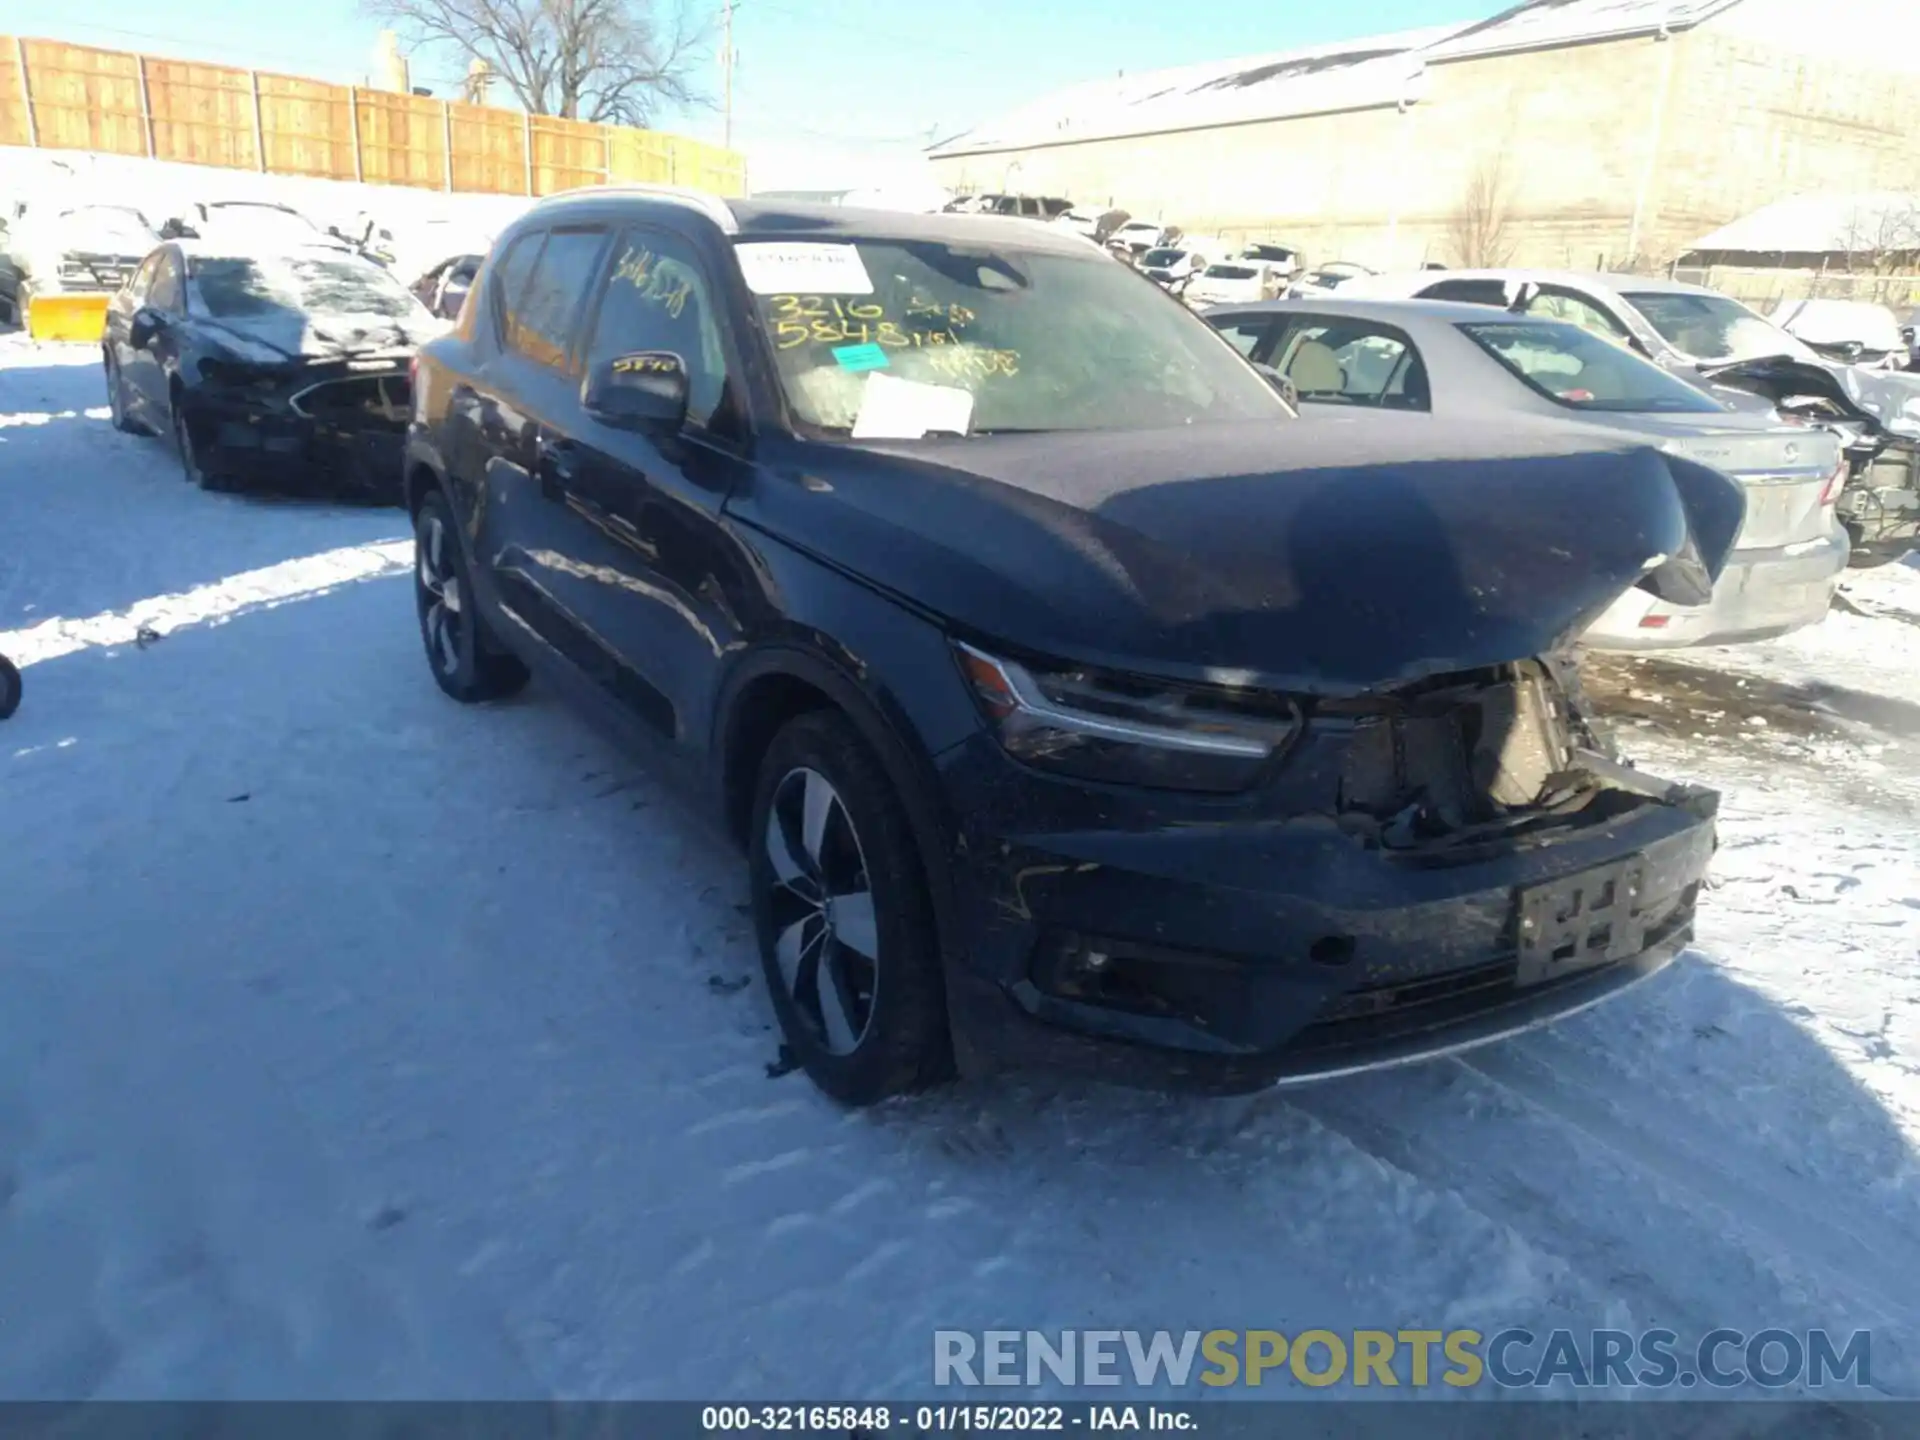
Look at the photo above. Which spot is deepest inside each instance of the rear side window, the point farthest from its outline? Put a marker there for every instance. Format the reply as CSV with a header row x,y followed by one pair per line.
x,y
1353,362
657,298
540,325
510,279
1581,371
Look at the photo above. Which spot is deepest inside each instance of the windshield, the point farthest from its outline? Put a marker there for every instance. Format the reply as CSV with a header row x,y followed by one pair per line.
x,y
1163,257
109,228
228,287
916,337
1712,327
1329,279
1230,272
1576,368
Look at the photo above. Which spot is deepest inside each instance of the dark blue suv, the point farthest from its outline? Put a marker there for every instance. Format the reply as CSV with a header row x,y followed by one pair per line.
x,y
1074,702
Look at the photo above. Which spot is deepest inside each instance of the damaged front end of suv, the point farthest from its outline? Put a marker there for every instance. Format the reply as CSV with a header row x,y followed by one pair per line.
x,y
1414,839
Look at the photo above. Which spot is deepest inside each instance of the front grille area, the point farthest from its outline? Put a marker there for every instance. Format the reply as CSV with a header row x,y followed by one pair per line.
x,y
359,399
1452,754
1381,1014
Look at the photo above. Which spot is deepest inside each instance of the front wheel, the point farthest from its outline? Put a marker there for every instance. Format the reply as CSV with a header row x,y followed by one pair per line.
x,y
9,687
191,464
117,399
845,926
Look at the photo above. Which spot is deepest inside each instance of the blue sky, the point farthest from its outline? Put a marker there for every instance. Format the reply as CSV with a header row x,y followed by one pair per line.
x,y
841,75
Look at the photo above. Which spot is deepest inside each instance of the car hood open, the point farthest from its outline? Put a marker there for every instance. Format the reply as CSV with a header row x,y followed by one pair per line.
x,y
1326,557
1887,400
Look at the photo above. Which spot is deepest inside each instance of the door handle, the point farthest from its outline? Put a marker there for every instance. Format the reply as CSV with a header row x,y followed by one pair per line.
x,y
557,463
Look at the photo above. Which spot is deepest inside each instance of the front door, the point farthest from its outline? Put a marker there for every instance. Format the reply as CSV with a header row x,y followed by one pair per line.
x,y
663,567
146,369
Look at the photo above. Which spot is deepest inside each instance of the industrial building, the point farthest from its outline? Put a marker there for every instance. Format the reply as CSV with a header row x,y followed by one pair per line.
x,y
1609,133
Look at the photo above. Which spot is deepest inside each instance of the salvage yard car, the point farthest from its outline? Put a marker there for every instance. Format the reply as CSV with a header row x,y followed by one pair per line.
x,y
1234,282
1458,361
1716,342
287,369
1069,707
68,250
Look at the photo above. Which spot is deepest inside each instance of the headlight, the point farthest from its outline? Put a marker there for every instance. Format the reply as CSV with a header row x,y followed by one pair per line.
x,y
1120,730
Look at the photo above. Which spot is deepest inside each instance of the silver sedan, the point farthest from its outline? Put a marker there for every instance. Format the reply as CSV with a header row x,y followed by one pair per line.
x,y
1346,358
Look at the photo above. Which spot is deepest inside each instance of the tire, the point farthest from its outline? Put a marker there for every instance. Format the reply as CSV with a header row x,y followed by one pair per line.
x,y
183,446
9,687
117,401
467,661
845,926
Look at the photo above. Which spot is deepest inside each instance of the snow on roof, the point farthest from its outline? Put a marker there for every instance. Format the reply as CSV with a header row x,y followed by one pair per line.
x,y
1355,74
1857,222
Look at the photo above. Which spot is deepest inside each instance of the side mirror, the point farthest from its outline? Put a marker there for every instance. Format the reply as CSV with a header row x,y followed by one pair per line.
x,y
644,391
145,325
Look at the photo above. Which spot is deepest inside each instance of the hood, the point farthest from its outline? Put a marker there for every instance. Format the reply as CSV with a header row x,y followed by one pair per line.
x,y
1887,400
1325,557
291,335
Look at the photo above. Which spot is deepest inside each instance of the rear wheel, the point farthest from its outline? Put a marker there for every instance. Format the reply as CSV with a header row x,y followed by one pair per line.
x,y
467,661
845,926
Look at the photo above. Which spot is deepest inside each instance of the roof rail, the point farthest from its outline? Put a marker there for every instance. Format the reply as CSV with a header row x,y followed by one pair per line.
x,y
705,201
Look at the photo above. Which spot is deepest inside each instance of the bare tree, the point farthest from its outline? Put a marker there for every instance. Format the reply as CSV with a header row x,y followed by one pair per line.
x,y
617,61
1479,231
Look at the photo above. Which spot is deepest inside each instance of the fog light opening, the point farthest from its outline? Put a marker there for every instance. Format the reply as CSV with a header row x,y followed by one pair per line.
x,y
1331,950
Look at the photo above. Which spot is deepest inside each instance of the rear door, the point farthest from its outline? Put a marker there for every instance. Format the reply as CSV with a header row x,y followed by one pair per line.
x,y
524,397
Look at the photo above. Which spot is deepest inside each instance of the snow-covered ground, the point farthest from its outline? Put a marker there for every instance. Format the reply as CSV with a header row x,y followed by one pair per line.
x,y
353,1043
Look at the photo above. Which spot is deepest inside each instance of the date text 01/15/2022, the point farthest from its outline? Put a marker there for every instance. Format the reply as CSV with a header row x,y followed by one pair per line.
x,y
940,1419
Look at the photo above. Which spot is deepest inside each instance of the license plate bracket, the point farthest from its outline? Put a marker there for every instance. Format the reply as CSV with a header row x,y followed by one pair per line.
x,y
1580,921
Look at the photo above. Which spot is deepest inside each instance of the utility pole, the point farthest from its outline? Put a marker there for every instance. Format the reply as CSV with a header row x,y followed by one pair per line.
x,y
726,72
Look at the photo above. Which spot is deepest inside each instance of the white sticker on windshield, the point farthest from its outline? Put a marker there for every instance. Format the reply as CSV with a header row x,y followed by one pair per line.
x,y
802,268
893,409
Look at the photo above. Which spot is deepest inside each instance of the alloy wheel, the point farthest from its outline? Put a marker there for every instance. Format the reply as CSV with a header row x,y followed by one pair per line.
x,y
825,934
438,590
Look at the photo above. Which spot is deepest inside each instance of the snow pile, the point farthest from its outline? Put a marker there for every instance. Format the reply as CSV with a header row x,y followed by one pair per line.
x,y
1830,222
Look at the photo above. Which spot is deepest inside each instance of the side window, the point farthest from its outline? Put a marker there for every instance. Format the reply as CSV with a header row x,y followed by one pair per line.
x,y
166,294
1252,337
1353,362
540,325
657,298
142,280
1469,292
509,280
1554,304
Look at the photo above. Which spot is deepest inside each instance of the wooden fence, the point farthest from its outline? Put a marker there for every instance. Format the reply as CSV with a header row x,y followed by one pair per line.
x,y
74,97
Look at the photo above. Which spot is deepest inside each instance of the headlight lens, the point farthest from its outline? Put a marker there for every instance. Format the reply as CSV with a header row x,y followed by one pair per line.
x,y
1119,730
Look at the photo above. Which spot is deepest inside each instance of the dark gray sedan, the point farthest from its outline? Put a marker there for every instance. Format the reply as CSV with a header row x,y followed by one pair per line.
x,y
1348,357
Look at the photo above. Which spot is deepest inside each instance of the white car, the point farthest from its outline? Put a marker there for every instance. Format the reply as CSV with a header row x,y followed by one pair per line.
x,y
68,249
1235,282
1140,236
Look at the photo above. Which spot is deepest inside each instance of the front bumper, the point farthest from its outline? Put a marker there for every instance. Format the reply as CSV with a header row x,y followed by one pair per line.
x,y
1761,594
257,437
1245,954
